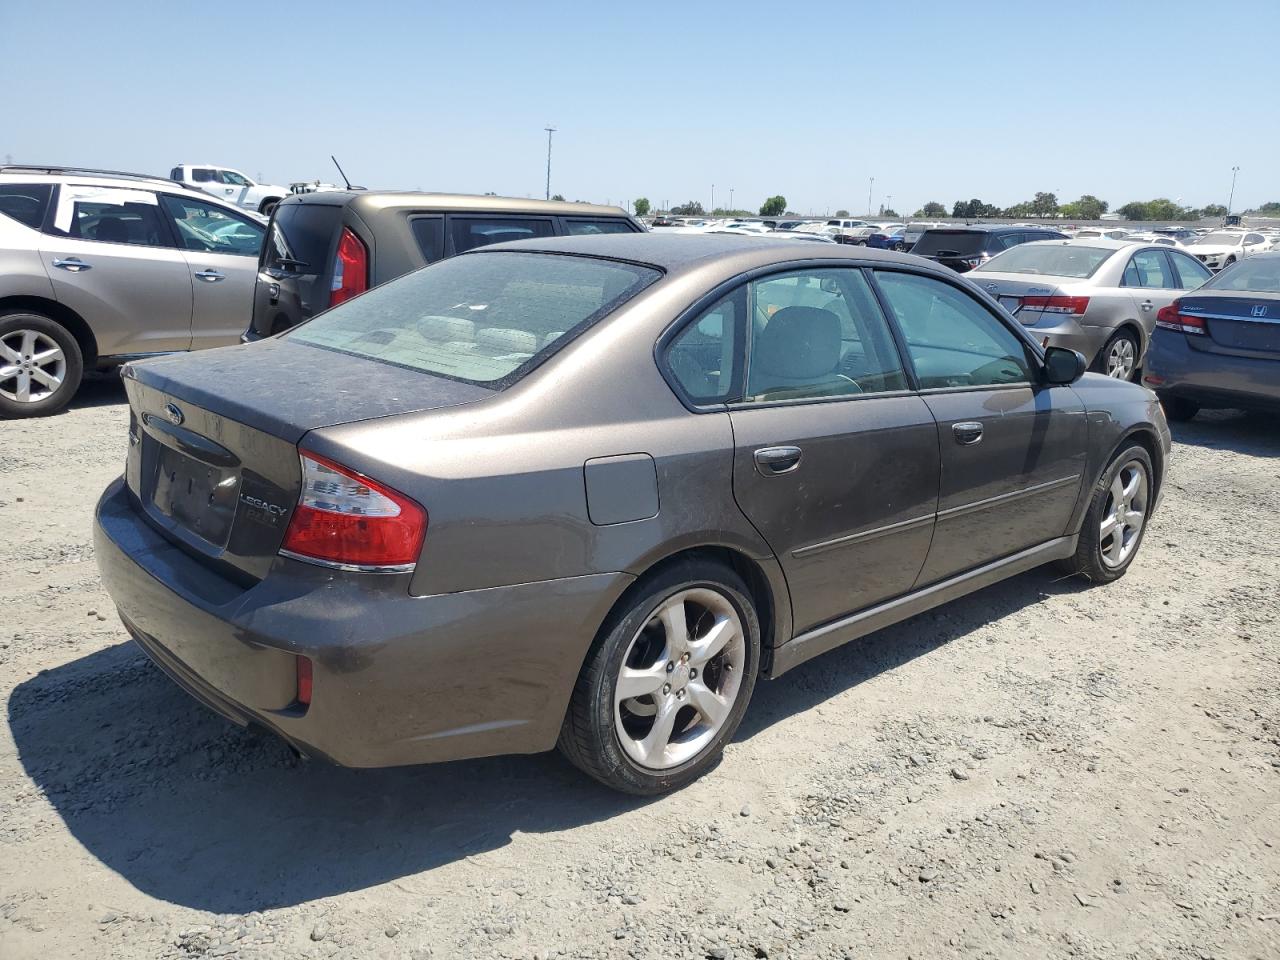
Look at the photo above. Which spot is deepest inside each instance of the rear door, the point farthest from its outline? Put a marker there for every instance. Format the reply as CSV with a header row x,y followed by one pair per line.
x,y
836,461
221,249
1150,281
112,259
1012,449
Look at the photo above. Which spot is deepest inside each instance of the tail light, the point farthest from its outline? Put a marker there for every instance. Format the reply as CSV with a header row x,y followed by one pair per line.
x,y
350,269
1172,318
1072,306
351,522
304,681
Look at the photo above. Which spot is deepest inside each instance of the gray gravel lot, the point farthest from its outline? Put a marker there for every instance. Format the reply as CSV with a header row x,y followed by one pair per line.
x,y
1040,770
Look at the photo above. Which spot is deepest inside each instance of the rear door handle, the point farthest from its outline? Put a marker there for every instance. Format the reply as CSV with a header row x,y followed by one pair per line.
x,y
968,432
211,276
773,461
1147,305
74,264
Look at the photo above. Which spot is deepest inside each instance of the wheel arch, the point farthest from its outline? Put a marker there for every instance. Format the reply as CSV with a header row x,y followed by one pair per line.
x,y
1146,438
62,314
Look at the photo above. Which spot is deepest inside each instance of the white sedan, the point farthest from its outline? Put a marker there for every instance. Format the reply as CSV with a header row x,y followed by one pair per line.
x,y
1224,247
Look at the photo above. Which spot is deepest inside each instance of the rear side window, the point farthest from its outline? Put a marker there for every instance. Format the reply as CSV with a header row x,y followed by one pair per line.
x,y
467,233
486,319
959,243
428,233
704,356
1151,270
576,228
25,202
202,175
300,237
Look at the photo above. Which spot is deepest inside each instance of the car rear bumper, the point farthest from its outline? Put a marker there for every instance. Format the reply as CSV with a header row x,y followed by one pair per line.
x,y
1211,379
1070,334
397,679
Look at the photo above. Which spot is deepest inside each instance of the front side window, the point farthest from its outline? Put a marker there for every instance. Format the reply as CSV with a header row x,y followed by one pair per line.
x,y
213,229
703,356
575,228
109,215
1151,270
1191,272
487,318
953,340
468,233
818,333
25,202
232,179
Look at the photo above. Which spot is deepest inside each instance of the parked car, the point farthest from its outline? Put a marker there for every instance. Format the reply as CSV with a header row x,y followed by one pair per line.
x,y
1094,233
230,185
636,510
886,239
964,248
799,235
1096,296
1220,347
1156,238
840,229
1180,234
97,268
324,248
1221,248
915,230
859,235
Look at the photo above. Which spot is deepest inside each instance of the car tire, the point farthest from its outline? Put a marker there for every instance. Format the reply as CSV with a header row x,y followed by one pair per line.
x,y
900,247
28,336
1179,409
267,206
1122,347
862,243
1117,518
705,596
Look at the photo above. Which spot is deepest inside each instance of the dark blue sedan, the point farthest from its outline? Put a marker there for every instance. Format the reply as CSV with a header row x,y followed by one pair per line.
x,y
1220,346
888,240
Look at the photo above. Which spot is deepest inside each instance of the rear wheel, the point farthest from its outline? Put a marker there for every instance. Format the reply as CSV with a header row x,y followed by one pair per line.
x,y
1179,408
1117,518
667,682
1119,358
40,365
900,246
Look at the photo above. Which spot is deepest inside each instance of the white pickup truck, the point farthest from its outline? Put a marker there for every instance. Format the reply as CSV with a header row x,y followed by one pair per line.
x,y
230,185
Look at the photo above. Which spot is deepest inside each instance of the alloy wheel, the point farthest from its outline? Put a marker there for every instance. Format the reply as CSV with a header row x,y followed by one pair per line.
x,y
1122,358
680,679
1125,514
32,366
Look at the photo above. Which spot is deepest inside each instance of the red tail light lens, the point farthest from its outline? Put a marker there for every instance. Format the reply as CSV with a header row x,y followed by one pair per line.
x,y
1072,306
304,681
1172,318
350,269
349,521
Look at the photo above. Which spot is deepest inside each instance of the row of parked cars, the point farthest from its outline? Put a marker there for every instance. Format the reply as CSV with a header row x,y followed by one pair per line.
x,y
584,490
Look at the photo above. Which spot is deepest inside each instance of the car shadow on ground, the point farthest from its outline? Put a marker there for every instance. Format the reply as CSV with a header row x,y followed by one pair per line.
x,y
195,811
1253,433
99,390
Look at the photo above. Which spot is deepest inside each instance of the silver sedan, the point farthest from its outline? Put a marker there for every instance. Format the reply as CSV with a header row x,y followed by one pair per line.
x,y
1097,296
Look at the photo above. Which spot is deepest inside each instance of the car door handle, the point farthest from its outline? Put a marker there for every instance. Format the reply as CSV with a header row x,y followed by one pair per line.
x,y
74,264
773,461
211,276
1147,305
968,432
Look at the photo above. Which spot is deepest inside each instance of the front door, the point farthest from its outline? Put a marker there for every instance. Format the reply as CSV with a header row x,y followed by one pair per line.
x,y
836,461
221,252
1012,448
111,259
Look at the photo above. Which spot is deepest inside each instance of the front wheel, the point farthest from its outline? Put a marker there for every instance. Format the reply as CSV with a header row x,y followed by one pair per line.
x,y
40,365
267,206
1117,518
667,681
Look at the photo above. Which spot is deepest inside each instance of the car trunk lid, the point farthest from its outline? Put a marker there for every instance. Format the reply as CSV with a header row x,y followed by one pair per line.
x,y
296,267
1239,325
213,453
1022,297
961,250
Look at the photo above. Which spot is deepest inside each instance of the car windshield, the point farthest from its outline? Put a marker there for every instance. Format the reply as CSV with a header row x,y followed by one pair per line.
x,y
1251,275
1224,239
486,318
1048,259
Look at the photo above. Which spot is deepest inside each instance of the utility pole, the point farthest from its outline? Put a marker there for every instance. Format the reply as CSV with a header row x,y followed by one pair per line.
x,y
713,199
550,130
888,202
1231,199
870,187
731,198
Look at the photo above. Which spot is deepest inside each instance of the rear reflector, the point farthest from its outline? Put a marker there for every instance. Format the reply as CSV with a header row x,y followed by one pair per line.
x,y
349,521
1171,318
1075,306
304,681
350,269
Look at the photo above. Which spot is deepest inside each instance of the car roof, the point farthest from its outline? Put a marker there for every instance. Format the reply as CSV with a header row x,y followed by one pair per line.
x,y
379,200
104,178
675,253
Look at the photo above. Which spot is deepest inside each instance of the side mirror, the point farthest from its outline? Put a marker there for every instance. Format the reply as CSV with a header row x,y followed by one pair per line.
x,y
1063,366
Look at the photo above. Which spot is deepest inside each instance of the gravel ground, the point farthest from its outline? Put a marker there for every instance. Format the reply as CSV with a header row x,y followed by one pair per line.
x,y
1040,770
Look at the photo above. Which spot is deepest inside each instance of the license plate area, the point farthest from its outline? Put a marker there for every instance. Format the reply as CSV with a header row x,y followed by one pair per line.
x,y
196,496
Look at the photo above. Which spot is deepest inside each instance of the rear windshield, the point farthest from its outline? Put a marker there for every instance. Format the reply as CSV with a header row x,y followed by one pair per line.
x,y
25,202
1048,259
1253,275
960,243
483,318
1223,239
301,236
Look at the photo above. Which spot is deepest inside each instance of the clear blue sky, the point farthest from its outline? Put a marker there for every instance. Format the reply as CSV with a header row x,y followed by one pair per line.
x,y
1127,99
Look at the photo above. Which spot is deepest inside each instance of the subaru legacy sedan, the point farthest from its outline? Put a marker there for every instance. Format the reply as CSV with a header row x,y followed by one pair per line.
x,y
585,491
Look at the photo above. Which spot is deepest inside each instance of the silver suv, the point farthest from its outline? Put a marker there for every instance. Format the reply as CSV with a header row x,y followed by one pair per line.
x,y
98,267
